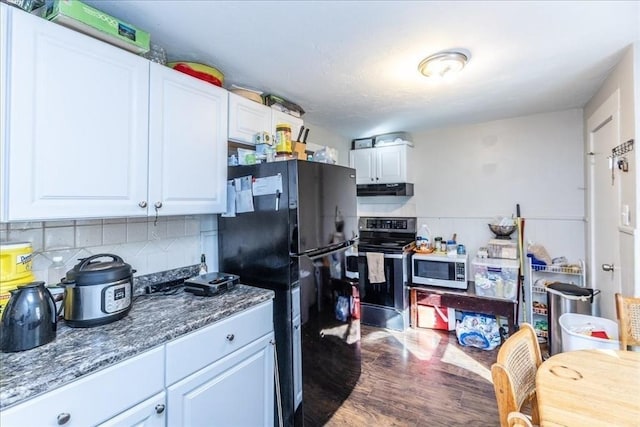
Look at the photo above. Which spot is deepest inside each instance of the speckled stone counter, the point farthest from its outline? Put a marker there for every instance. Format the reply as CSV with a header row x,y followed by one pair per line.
x,y
153,320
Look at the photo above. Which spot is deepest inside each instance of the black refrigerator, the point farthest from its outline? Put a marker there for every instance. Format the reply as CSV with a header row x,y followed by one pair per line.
x,y
292,240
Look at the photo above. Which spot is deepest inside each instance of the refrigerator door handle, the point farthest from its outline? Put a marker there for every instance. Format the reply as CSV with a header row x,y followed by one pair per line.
x,y
316,253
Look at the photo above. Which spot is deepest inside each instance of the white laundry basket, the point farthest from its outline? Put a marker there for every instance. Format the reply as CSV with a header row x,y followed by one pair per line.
x,y
575,328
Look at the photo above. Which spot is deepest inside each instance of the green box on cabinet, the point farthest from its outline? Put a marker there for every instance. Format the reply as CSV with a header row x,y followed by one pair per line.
x,y
86,19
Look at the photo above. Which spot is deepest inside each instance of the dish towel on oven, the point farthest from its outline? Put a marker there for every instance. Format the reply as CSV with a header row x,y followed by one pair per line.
x,y
375,264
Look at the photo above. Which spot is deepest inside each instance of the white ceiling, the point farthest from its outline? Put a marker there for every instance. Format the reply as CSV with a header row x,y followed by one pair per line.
x,y
352,65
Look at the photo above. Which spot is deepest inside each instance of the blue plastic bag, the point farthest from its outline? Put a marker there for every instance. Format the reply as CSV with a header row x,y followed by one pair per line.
x,y
478,330
342,308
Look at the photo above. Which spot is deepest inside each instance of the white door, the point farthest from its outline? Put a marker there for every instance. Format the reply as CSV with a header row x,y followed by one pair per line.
x,y
604,204
187,144
77,129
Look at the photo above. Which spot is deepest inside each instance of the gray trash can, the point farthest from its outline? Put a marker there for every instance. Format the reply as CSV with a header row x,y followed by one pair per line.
x,y
565,298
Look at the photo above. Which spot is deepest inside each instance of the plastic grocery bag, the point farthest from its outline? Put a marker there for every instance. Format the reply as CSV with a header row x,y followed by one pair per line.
x,y
342,308
478,330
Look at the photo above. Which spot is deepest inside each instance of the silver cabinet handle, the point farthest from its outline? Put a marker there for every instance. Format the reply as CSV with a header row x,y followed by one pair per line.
x,y
63,418
159,408
230,337
608,267
157,205
143,204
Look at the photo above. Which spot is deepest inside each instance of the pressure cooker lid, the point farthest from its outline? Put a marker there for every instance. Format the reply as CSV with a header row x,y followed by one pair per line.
x,y
571,289
97,270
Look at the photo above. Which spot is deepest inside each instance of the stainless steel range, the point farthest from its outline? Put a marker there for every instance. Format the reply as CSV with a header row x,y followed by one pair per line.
x,y
384,256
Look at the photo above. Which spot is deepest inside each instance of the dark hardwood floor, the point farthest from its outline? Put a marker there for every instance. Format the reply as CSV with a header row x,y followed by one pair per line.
x,y
419,377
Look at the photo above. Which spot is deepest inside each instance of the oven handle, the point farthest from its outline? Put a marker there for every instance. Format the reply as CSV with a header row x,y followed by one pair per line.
x,y
395,256
316,253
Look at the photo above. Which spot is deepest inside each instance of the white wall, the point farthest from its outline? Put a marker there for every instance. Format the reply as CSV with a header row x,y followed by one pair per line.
x,y
467,175
325,137
173,242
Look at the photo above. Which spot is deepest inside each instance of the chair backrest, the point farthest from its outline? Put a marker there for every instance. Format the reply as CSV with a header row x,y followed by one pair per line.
x,y
514,373
628,312
517,419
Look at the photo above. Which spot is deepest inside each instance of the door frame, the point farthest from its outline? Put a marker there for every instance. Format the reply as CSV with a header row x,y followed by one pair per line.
x,y
607,112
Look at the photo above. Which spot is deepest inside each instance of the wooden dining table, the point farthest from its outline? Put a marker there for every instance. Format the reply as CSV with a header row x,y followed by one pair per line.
x,y
589,388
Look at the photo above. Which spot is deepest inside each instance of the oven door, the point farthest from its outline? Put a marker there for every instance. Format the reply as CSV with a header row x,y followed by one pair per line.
x,y
389,293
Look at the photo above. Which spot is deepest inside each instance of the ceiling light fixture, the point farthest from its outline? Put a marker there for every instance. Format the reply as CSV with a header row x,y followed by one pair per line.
x,y
443,64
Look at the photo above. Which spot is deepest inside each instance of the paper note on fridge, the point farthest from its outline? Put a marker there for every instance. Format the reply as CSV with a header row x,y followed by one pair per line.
x,y
267,185
244,194
231,200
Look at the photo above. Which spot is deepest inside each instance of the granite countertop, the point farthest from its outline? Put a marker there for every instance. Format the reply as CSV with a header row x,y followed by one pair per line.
x,y
153,320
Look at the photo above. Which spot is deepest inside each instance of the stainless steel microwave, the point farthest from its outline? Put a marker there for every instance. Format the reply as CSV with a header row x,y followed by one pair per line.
x,y
440,270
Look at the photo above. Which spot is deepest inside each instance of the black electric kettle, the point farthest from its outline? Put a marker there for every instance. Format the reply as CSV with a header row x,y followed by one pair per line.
x,y
29,319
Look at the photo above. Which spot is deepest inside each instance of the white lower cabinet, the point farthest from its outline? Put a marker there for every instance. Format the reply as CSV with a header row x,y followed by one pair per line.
x,y
150,413
222,374
234,391
95,398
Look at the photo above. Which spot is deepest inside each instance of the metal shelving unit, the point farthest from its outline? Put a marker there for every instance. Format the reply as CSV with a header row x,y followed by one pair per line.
x,y
535,292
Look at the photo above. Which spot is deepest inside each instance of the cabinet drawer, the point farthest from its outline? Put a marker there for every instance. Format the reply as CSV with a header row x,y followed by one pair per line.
x,y
94,398
198,349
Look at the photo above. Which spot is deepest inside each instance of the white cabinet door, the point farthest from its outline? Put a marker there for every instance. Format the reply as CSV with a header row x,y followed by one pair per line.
x,y
364,162
247,118
297,346
380,165
237,390
150,413
77,125
278,117
187,144
391,164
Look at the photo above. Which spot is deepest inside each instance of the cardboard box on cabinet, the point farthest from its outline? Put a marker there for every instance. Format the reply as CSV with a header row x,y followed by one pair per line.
x,y
85,19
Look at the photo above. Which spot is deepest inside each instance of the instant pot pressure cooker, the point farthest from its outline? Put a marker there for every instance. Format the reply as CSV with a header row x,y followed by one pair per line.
x,y
97,291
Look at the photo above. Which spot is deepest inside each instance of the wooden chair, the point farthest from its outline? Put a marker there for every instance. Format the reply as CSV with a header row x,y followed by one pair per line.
x,y
518,419
514,374
628,313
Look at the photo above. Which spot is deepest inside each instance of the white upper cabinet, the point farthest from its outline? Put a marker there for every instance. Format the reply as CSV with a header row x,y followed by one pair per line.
x,y
187,144
76,131
93,131
381,165
247,118
278,117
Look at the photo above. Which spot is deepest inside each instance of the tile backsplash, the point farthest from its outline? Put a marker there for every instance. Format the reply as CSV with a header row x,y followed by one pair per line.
x,y
149,246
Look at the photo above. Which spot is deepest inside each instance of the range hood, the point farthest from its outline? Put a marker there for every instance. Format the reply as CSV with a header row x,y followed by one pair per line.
x,y
399,189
